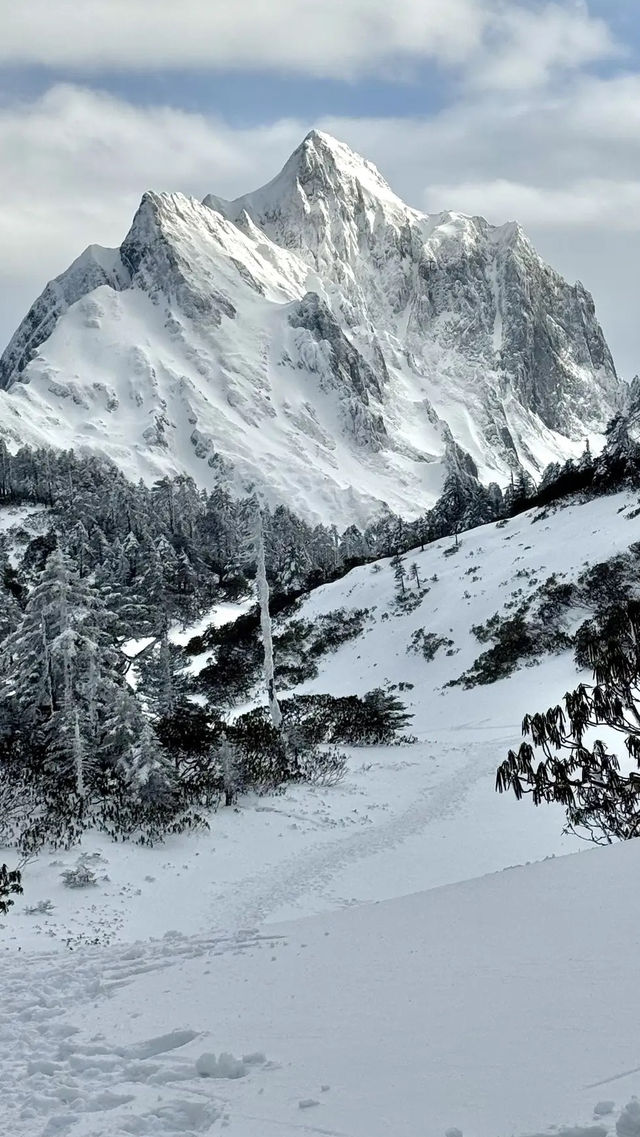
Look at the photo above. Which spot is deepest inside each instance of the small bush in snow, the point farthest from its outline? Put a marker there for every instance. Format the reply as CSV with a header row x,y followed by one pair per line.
x,y
79,877
427,644
323,767
520,636
42,908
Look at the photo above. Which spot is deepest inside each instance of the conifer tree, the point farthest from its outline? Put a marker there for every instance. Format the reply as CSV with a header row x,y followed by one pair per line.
x,y
79,547
399,573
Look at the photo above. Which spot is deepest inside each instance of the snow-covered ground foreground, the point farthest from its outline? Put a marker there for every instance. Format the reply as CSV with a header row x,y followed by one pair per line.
x,y
501,1006
350,934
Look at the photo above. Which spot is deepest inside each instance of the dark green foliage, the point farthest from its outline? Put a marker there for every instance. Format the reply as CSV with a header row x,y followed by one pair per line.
x,y
237,661
562,763
301,644
451,550
428,644
267,758
610,581
37,551
513,642
487,631
336,628
518,638
10,886
264,762
376,718
556,600
186,731
534,627
191,736
298,646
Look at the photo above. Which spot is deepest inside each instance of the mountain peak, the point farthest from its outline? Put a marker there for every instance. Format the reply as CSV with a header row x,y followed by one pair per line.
x,y
327,162
347,164
320,138
321,168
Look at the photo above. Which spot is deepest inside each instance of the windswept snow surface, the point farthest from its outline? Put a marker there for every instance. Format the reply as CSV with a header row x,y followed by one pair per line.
x,y
345,940
500,1007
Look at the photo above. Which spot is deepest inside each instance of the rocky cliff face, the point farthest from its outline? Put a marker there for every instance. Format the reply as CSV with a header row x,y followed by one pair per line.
x,y
447,280
317,337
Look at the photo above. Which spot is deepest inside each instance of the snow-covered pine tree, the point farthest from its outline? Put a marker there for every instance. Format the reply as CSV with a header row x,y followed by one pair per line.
x,y
399,574
518,493
76,723
79,547
158,676
9,608
353,546
146,767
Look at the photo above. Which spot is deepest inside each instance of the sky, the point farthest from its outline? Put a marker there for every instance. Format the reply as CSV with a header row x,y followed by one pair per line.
x,y
521,110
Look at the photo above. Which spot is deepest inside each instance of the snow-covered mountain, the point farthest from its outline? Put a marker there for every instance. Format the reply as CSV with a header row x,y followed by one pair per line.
x,y
318,338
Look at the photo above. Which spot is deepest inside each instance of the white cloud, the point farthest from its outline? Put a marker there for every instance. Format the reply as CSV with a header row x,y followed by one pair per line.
x,y
340,38
533,45
610,109
579,205
503,43
74,163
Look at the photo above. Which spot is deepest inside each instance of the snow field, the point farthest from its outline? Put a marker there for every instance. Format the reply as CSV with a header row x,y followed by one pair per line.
x,y
496,1006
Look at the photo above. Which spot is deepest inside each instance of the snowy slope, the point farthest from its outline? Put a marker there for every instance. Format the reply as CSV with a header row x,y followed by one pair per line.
x,y
318,338
406,818
348,935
